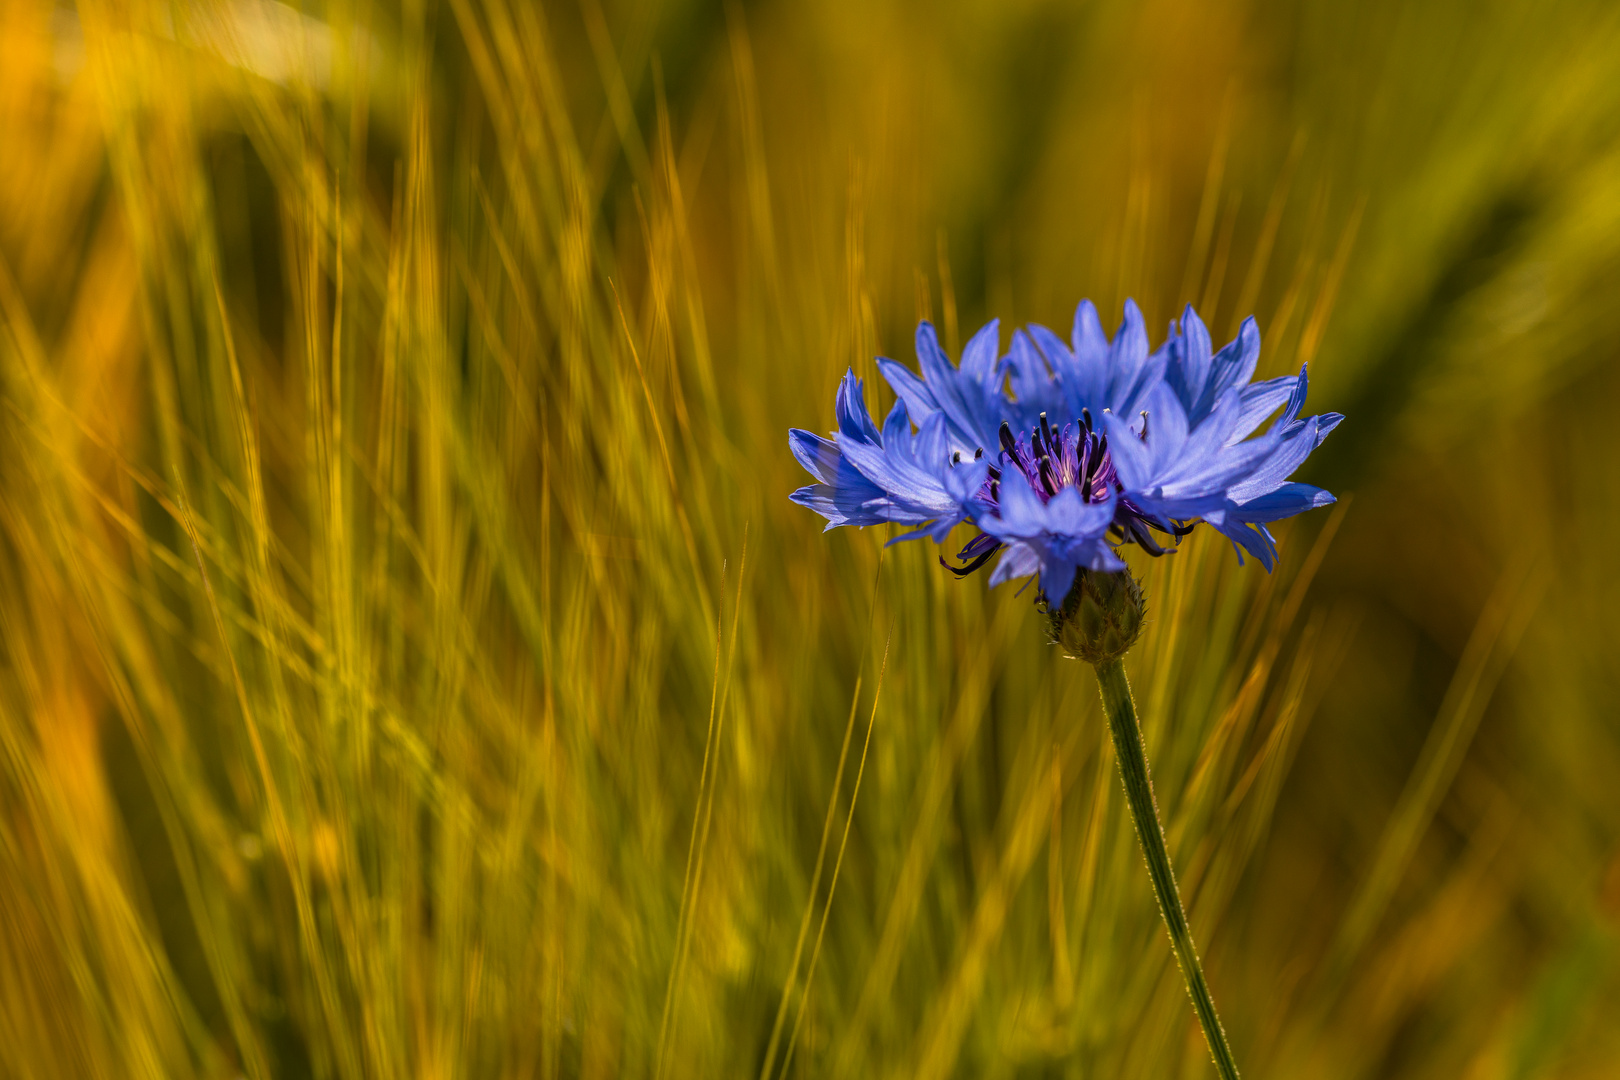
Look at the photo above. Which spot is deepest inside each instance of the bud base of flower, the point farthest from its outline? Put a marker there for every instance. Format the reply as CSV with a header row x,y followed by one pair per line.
x,y
1100,618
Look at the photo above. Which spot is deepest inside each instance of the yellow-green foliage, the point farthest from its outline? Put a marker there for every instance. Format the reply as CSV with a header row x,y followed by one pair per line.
x,y
411,665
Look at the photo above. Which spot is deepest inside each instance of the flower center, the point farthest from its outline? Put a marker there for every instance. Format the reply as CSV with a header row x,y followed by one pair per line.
x,y
1051,459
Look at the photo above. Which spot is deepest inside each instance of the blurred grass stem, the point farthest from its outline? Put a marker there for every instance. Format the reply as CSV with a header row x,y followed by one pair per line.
x,y
1133,769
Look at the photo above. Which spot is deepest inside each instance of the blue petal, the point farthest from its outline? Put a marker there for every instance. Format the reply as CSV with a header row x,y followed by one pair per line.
x,y
931,449
912,489
1085,381
854,422
1259,543
1208,458
1059,536
1216,430
979,354
1104,559
1285,501
897,434
972,405
1132,461
1017,561
1296,401
1289,455
1034,385
1021,510
908,388
1166,428
846,506
1217,472
1133,371
1188,363
962,482
906,484
1260,400
1090,343
1068,515
1026,369
1052,349
1234,365
1056,577
1130,345
820,457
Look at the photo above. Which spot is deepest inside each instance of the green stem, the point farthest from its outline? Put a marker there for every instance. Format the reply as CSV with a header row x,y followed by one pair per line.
x,y
1133,769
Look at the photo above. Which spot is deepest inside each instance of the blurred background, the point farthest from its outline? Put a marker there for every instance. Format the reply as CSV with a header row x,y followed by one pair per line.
x,y
411,664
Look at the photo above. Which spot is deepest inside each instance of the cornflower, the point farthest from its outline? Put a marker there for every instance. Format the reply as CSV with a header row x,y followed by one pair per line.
x,y
1101,443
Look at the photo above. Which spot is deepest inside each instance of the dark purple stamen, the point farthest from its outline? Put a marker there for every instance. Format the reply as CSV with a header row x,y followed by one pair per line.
x,y
974,555
968,568
1139,533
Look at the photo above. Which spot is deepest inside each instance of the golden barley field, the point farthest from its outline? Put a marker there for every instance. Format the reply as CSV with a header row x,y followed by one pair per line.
x,y
411,664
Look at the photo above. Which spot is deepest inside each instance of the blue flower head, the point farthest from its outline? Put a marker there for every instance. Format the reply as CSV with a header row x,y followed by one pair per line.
x,y
1099,443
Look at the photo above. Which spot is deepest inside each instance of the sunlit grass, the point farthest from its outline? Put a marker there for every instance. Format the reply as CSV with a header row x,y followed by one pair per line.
x,y
411,665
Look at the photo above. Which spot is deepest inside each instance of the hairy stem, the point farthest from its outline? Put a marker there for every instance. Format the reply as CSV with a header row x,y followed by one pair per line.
x,y
1133,769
